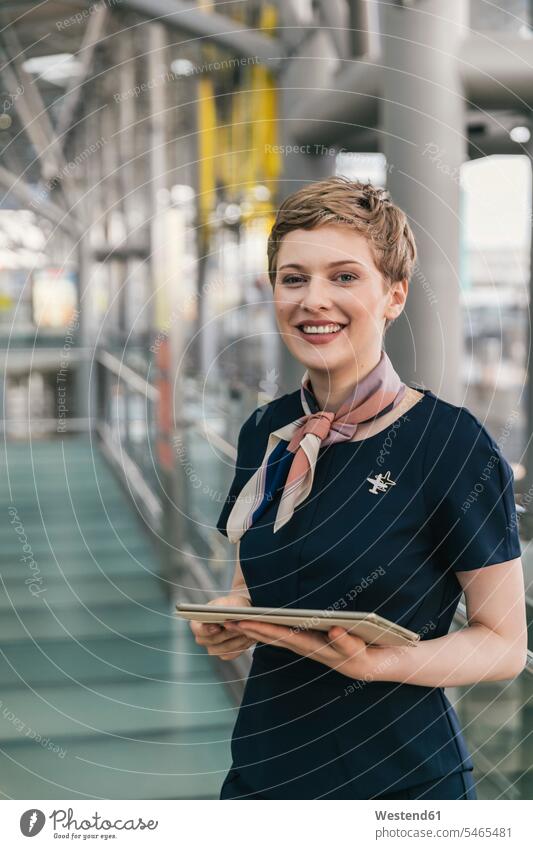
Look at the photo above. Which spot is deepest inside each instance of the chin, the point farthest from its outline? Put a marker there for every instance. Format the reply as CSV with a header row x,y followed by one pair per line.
x,y
321,361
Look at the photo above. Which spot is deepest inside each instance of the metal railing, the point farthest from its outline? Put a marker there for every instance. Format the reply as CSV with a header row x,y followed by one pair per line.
x,y
126,424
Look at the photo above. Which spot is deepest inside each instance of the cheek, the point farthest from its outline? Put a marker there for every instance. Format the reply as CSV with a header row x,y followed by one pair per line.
x,y
361,307
283,308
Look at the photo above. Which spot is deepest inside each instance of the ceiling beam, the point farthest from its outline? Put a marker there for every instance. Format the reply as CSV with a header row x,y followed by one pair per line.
x,y
62,219
95,29
498,74
219,29
347,103
495,75
33,113
18,90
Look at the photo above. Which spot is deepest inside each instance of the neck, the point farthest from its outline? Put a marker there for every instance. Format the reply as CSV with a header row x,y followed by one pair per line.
x,y
331,389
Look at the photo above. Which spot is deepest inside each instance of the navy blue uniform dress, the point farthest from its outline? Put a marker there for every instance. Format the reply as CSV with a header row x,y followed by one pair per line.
x,y
304,730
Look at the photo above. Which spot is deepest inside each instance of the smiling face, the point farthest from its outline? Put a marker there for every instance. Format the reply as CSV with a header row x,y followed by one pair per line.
x,y
327,276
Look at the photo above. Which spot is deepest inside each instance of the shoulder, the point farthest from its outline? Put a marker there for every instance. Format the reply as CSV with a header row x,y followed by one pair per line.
x,y
469,489
456,424
459,447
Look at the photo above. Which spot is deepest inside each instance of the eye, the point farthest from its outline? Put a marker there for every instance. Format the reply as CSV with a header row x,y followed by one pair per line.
x,y
291,278
349,275
342,277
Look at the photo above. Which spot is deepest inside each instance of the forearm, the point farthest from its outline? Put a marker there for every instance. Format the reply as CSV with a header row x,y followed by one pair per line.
x,y
475,653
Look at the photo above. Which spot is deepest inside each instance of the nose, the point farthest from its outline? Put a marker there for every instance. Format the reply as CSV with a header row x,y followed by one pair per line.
x,y
315,294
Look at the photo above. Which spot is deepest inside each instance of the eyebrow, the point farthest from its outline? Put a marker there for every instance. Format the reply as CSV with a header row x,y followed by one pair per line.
x,y
329,264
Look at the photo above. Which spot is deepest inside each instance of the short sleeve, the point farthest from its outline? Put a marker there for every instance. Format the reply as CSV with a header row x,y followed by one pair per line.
x,y
469,492
244,466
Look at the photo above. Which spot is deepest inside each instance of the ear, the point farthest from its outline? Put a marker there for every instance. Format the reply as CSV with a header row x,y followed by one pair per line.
x,y
397,296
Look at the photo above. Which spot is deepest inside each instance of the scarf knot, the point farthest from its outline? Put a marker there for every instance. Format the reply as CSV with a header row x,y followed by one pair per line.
x,y
319,424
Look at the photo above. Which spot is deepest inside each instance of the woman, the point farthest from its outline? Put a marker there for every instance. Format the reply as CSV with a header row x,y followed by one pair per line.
x,y
357,492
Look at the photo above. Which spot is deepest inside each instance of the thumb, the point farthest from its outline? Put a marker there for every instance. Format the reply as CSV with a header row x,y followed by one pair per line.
x,y
346,643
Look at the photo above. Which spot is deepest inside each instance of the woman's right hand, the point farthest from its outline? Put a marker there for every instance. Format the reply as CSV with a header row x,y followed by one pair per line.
x,y
227,645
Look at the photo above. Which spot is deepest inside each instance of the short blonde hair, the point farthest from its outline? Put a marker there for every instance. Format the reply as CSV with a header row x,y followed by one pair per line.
x,y
362,206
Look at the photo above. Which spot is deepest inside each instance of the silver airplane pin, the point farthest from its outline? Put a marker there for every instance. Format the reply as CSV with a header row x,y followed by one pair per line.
x,y
380,483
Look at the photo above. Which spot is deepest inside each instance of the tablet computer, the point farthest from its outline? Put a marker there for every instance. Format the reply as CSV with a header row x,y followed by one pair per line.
x,y
371,627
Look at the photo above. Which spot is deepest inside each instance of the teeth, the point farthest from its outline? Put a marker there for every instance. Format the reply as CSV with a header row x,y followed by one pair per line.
x,y
326,328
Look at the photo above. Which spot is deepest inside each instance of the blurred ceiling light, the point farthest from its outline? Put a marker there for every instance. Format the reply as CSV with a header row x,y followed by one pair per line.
x,y
21,240
182,67
5,121
232,213
303,10
261,192
182,193
520,134
58,68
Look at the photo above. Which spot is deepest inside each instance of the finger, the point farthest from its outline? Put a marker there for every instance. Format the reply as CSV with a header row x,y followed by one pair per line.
x,y
235,644
267,633
232,655
346,648
265,628
214,639
281,632
344,642
204,628
312,644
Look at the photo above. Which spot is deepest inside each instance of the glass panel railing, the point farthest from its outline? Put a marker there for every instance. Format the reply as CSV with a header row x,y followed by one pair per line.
x,y
496,720
205,449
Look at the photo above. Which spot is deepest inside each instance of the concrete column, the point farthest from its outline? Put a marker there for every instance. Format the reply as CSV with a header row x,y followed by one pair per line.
x,y
302,164
359,26
85,388
174,533
85,382
422,133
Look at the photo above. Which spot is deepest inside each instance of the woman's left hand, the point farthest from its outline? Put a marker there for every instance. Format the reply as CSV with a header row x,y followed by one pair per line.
x,y
337,648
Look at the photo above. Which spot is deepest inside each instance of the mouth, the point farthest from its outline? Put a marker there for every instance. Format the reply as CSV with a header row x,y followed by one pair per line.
x,y
321,332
